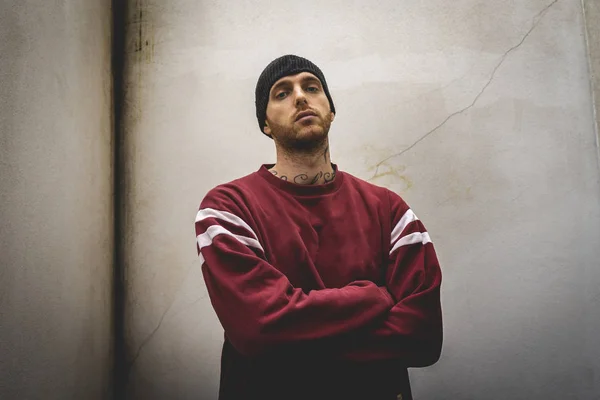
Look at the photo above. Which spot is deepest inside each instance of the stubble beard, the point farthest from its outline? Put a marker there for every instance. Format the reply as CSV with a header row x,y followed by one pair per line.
x,y
293,141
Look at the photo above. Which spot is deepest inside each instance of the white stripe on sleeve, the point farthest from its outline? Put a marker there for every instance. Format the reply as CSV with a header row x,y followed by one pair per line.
x,y
416,237
206,238
408,217
225,216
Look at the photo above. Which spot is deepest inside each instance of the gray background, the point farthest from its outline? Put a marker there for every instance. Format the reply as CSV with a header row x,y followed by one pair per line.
x,y
480,114
56,224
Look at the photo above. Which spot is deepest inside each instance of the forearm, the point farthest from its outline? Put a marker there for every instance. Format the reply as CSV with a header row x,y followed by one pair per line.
x,y
411,332
260,310
391,340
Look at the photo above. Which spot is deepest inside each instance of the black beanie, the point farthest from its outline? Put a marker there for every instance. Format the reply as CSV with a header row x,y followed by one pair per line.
x,y
277,69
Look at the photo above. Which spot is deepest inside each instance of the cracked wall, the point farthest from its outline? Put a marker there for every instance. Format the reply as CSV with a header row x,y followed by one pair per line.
x,y
56,221
478,113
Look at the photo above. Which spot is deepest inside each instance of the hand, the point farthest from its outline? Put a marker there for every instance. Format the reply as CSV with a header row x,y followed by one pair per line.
x,y
388,296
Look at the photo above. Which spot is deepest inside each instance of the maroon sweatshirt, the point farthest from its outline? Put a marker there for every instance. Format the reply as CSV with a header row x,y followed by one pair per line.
x,y
324,291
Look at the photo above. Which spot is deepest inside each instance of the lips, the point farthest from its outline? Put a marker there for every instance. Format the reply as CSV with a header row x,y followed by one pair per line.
x,y
305,114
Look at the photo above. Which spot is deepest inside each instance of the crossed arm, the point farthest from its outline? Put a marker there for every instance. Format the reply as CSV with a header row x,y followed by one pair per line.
x,y
261,311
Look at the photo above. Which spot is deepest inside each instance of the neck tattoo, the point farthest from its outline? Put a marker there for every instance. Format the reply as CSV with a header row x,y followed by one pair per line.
x,y
305,179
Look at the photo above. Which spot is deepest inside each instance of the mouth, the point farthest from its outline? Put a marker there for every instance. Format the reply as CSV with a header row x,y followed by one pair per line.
x,y
305,115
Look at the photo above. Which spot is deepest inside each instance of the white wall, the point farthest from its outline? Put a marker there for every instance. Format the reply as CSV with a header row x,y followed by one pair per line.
x,y
479,113
55,200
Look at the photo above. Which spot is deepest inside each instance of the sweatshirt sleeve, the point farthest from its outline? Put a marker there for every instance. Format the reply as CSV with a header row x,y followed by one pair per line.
x,y
412,331
256,304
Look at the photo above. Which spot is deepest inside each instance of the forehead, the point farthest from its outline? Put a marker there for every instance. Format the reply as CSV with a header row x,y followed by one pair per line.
x,y
291,79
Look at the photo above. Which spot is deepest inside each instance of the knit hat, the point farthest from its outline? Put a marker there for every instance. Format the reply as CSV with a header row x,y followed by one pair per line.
x,y
283,66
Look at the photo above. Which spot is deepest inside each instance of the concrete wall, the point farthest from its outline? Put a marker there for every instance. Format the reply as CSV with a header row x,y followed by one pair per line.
x,y
479,113
592,320
55,200
592,16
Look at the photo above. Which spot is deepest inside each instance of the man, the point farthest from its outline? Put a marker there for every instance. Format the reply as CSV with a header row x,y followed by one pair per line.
x,y
327,286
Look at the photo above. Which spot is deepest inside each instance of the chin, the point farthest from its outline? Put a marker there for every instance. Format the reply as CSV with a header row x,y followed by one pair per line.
x,y
313,136
305,139
315,131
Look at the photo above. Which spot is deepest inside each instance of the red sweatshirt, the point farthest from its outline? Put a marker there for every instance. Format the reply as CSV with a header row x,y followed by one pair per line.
x,y
336,285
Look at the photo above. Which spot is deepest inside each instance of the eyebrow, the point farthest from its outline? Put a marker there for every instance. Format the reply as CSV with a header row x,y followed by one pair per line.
x,y
287,81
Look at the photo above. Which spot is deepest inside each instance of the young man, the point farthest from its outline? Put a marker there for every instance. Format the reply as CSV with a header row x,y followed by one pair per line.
x,y
327,286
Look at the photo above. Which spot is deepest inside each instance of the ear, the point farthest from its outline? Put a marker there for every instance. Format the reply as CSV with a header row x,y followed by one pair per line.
x,y
267,129
332,116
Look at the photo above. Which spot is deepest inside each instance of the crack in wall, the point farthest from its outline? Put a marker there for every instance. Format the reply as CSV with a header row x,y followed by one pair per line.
x,y
536,20
151,335
160,321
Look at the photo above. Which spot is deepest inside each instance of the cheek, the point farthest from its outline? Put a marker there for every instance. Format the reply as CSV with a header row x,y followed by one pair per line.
x,y
326,108
274,113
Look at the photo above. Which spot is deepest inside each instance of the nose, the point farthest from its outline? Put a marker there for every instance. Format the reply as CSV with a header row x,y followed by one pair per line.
x,y
300,97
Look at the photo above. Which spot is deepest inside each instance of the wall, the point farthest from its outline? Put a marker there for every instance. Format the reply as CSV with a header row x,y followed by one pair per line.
x,y
55,200
592,16
592,319
479,113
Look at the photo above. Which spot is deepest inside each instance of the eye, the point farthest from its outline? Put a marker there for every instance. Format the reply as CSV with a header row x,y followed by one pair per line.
x,y
313,89
280,95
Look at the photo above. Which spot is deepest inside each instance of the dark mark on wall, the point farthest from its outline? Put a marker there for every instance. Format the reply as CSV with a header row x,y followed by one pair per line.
x,y
119,47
